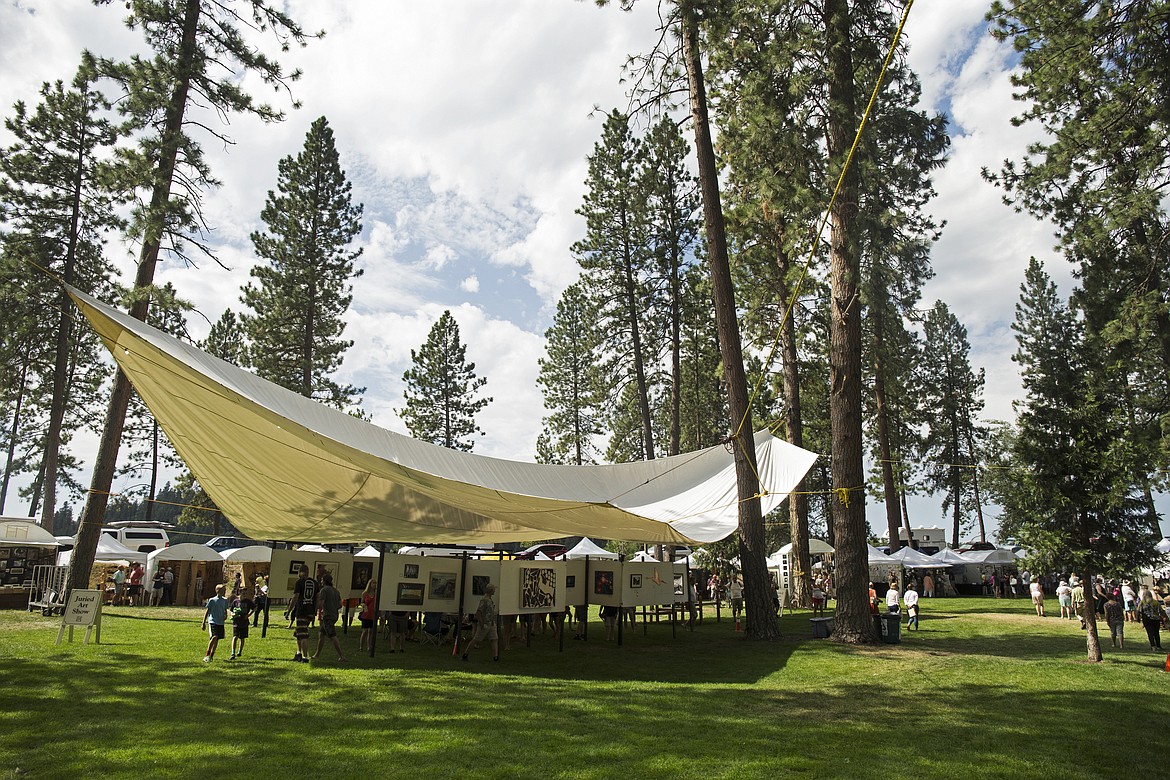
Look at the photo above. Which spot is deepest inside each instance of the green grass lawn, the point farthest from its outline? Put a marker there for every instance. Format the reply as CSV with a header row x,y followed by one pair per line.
x,y
983,690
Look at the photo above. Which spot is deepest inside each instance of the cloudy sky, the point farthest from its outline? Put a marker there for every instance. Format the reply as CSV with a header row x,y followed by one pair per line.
x,y
464,127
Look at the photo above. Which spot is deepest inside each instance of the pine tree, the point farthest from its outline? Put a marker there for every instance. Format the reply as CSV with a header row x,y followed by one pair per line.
x,y
1072,496
569,380
441,389
300,297
618,269
55,187
1094,76
202,57
954,394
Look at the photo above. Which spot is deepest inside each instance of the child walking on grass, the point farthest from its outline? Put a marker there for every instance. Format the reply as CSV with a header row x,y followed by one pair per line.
x,y
215,614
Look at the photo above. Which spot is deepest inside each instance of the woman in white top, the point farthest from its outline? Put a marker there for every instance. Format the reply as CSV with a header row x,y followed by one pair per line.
x,y
1037,596
892,599
1064,596
911,600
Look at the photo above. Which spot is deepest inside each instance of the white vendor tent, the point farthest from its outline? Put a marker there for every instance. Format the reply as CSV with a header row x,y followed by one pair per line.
x,y
282,466
312,548
21,532
109,550
1163,546
781,560
588,548
991,557
643,557
948,556
253,553
186,560
913,559
369,551
877,557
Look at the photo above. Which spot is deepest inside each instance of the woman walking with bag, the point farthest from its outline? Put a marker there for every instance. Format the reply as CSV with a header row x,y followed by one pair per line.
x,y
1152,618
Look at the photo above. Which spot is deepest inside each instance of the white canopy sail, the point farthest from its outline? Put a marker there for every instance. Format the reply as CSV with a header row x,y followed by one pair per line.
x,y
284,467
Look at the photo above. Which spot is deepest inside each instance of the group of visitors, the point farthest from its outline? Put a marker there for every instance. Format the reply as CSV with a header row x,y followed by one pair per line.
x,y
895,601
1120,604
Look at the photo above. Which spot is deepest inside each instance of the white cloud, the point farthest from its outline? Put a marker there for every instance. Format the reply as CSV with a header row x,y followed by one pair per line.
x,y
470,284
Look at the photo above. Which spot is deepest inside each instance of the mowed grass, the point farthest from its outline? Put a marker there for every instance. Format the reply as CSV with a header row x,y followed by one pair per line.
x,y
985,689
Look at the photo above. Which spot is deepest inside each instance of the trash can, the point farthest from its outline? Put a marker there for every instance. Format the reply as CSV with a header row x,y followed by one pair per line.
x,y
822,627
891,627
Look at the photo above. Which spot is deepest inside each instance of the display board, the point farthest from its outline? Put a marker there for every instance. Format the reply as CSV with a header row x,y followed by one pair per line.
x,y
574,585
647,584
530,587
419,583
84,608
480,574
286,565
17,562
603,583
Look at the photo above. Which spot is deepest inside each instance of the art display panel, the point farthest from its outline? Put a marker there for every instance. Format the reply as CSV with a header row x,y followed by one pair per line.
x,y
286,565
647,584
480,574
536,583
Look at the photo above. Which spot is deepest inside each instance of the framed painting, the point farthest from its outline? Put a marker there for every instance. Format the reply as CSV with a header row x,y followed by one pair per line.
x,y
294,567
321,568
603,583
443,585
570,581
635,580
410,594
479,583
363,572
410,571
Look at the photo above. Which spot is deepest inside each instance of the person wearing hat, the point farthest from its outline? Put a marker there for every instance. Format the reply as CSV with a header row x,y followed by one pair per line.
x,y
1064,596
1037,596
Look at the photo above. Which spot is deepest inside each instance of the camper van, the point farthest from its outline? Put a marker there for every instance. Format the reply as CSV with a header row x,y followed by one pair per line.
x,y
139,537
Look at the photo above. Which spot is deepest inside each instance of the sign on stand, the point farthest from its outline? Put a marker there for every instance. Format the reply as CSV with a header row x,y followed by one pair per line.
x,y
84,608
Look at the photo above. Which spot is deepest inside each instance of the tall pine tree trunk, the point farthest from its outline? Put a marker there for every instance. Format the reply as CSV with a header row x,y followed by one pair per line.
x,y
52,453
761,616
14,429
93,514
851,558
801,576
889,486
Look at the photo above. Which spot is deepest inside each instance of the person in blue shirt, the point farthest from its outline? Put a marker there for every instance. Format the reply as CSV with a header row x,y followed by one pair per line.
x,y
216,614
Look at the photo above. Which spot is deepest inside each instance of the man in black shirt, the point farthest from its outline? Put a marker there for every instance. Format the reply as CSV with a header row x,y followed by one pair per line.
x,y
304,604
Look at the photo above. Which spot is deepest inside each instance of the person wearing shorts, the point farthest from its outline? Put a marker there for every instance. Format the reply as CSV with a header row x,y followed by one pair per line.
x,y
304,603
369,615
485,624
1037,596
329,609
215,615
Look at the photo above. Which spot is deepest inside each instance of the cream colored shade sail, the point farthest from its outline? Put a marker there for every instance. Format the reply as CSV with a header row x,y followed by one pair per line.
x,y
283,467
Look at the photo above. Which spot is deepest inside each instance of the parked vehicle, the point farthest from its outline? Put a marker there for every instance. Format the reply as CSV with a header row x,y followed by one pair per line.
x,y
141,538
221,543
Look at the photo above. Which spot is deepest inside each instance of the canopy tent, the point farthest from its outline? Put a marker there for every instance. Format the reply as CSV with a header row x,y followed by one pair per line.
x,y
913,559
109,550
877,557
588,548
369,551
815,547
253,553
991,557
948,556
21,532
186,560
282,466
643,557
1163,546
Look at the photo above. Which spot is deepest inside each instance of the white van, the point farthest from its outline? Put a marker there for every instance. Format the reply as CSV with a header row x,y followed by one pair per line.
x,y
140,538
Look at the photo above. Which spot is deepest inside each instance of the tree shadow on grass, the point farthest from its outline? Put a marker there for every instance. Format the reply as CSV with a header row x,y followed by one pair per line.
x,y
272,719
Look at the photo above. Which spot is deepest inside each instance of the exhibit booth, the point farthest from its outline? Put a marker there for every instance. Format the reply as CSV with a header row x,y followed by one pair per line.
x,y
186,560
24,545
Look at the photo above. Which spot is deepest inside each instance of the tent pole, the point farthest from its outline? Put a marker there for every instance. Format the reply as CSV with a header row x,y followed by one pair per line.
x,y
378,594
585,623
462,593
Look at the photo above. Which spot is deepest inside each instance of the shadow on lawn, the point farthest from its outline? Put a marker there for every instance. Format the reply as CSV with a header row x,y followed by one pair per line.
x,y
273,718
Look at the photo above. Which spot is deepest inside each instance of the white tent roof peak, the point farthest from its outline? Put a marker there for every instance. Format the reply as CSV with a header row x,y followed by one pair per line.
x,y
282,466
587,547
913,559
815,547
253,553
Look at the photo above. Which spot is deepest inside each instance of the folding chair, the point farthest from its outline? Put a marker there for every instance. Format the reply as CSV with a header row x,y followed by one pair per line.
x,y
433,631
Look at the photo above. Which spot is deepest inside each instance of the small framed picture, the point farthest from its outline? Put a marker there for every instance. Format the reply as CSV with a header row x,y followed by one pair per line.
x,y
442,585
18,552
410,594
294,567
570,580
635,580
479,583
410,571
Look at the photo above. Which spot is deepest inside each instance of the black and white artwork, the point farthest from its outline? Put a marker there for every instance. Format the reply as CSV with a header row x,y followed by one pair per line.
x,y
363,572
479,583
538,588
410,571
635,580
